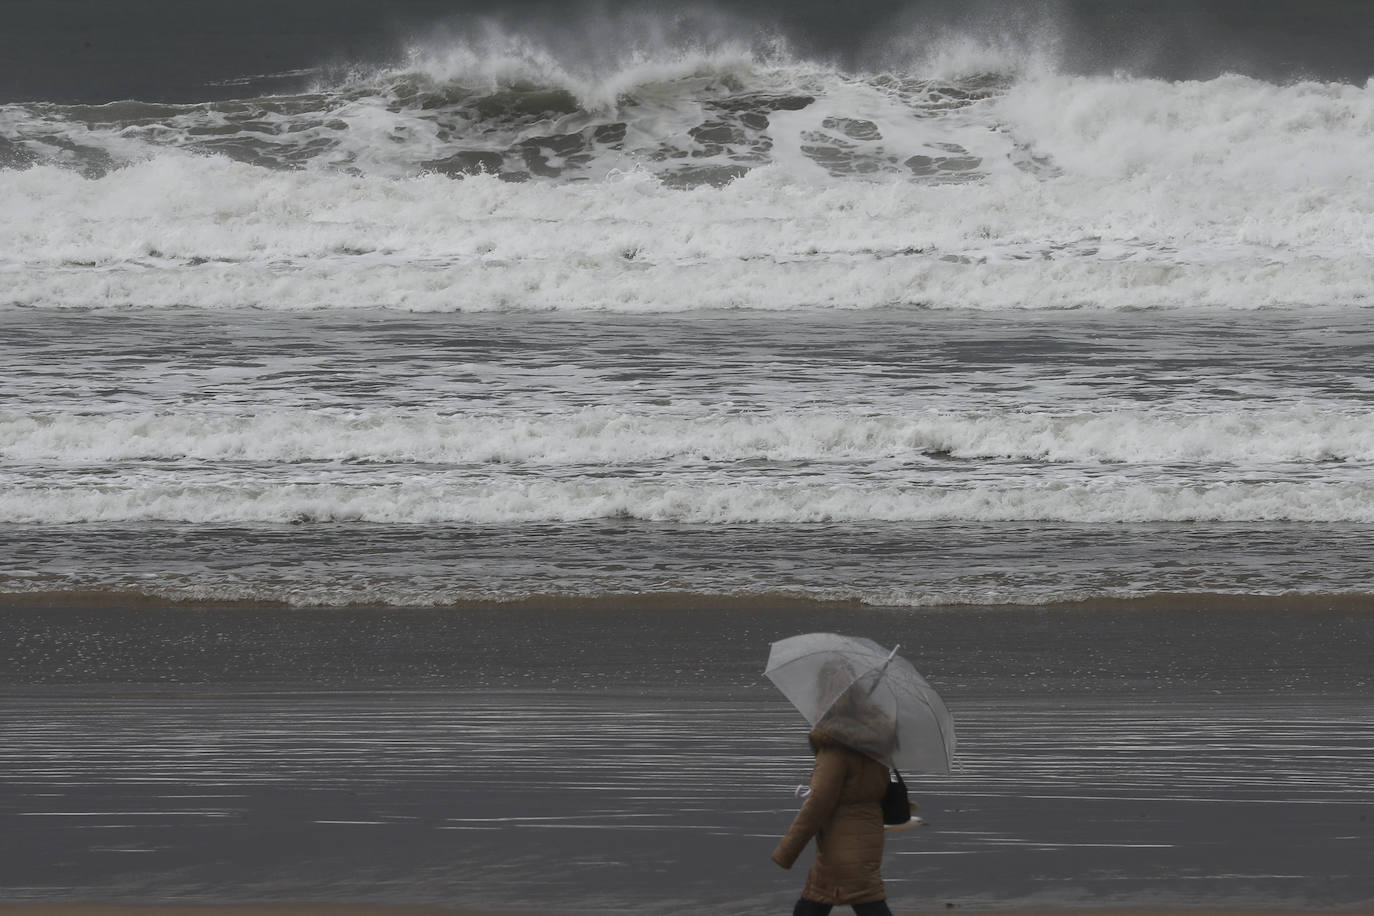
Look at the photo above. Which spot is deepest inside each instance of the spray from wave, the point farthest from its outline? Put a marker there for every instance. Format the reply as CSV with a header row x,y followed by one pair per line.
x,y
666,168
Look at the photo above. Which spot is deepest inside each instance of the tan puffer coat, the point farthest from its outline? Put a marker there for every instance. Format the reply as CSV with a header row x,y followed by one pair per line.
x,y
844,814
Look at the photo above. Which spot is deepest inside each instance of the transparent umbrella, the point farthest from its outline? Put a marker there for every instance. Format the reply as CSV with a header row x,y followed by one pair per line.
x,y
866,697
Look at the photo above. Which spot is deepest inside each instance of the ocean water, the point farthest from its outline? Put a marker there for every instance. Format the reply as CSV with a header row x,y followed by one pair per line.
x,y
1001,309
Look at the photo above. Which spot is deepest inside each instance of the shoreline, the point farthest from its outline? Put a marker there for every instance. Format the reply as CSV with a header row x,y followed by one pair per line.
x,y
1276,644
680,602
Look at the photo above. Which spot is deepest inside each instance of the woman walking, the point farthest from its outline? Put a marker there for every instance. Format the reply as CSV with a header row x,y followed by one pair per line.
x,y
843,812
869,709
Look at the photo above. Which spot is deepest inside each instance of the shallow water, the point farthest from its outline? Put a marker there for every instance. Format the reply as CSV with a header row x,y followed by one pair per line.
x,y
897,457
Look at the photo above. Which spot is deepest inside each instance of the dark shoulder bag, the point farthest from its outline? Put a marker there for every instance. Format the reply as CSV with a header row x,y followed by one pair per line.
x,y
896,802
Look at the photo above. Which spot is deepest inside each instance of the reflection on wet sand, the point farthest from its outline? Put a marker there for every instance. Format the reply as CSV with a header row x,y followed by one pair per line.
x,y
528,799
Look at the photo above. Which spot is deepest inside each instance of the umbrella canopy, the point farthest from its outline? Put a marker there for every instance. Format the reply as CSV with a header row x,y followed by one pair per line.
x,y
866,697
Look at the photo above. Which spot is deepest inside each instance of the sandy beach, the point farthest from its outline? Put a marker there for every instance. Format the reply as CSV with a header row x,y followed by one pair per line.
x,y
608,758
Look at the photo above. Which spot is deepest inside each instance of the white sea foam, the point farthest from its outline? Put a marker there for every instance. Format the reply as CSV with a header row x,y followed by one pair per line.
x,y
338,591
427,498
1242,132
1059,192
609,437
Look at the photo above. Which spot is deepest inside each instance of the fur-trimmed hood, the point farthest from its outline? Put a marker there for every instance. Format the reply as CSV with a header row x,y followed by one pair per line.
x,y
819,739
871,735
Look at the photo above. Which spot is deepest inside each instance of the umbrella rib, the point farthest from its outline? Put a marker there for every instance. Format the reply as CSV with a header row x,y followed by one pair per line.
x,y
827,651
944,742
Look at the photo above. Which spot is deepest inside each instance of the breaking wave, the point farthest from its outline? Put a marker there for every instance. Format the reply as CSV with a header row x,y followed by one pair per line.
x,y
491,468
497,177
409,498
610,437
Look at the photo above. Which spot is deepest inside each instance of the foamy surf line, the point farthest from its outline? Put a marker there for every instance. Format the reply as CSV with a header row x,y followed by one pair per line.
x,y
117,599
767,242
693,184
692,436
615,285
454,498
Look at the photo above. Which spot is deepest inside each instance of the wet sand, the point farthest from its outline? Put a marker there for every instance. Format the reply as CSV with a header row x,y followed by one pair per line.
x,y
620,759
